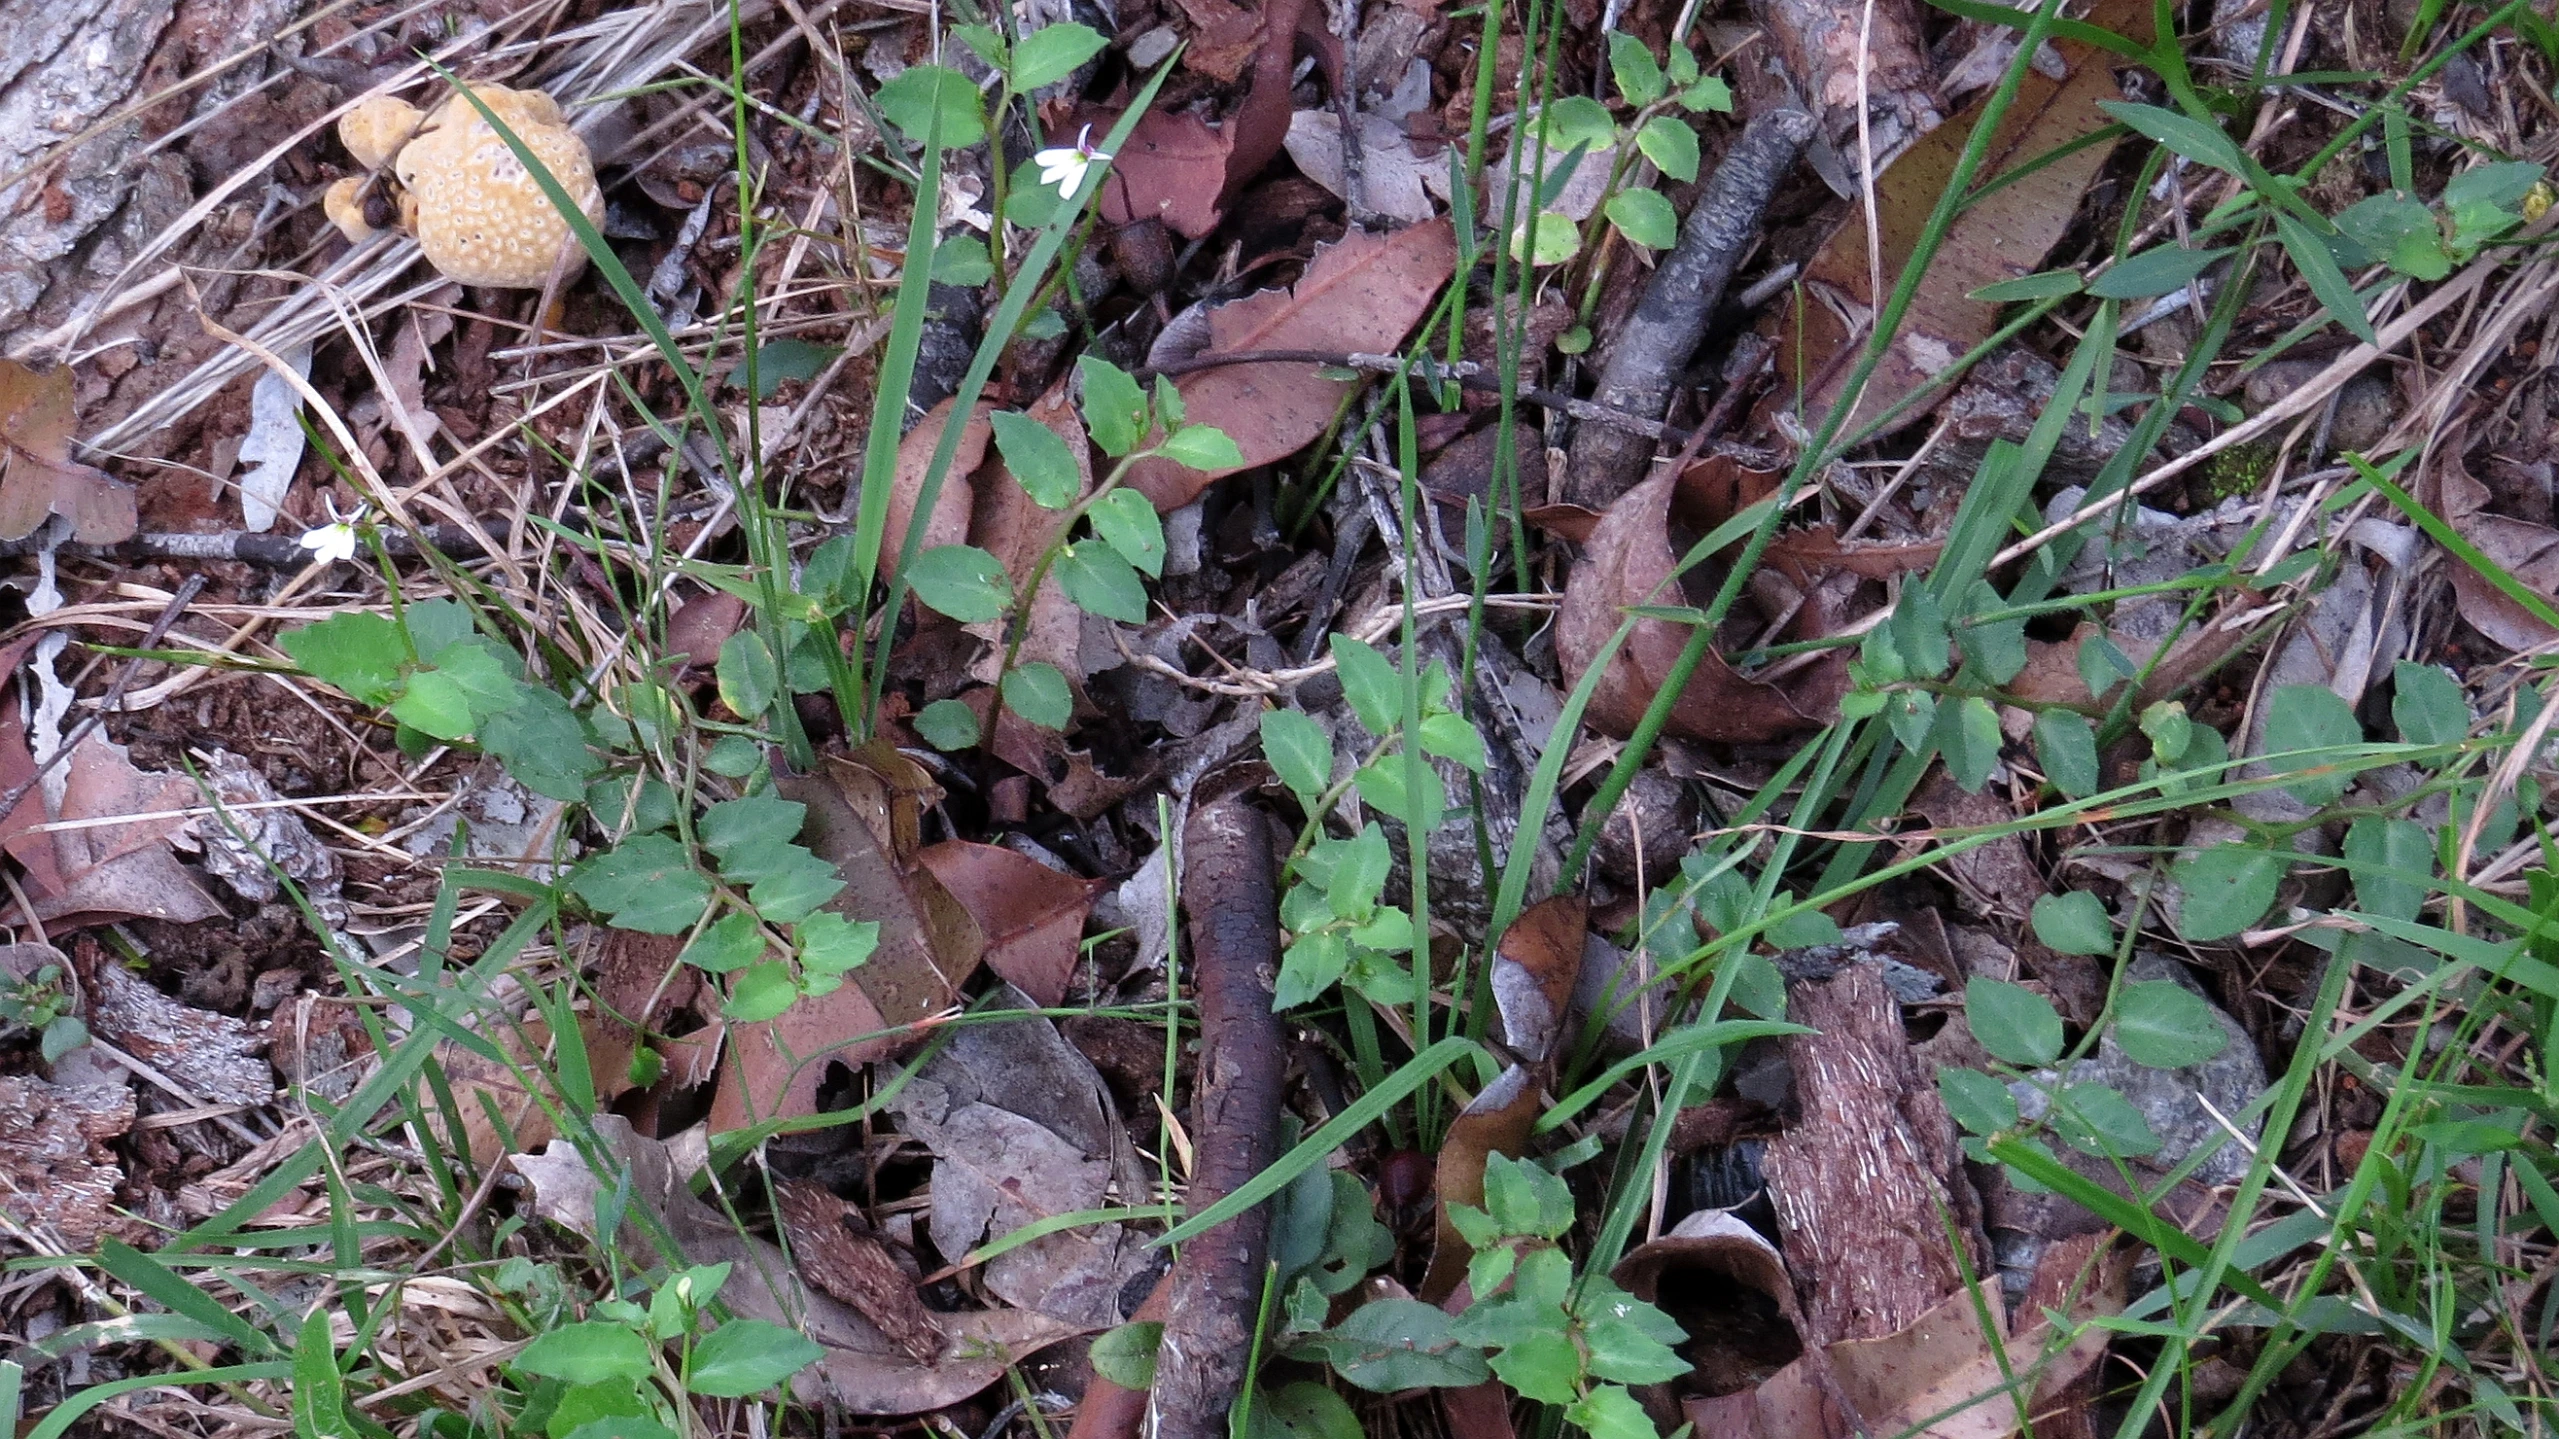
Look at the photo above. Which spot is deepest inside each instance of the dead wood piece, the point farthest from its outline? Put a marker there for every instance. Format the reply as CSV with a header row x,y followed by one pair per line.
x,y
1846,53
837,1253
1658,339
57,1175
1867,1169
1208,1323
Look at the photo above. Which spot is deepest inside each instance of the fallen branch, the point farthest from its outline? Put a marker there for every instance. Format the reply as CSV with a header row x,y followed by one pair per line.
x,y
1217,1286
1654,346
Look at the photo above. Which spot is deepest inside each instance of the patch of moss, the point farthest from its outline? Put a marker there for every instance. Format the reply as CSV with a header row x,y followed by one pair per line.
x,y
2238,470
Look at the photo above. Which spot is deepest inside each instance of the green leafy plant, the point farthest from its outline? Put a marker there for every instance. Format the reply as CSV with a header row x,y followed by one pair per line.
x,y
42,1002
615,1366
1576,127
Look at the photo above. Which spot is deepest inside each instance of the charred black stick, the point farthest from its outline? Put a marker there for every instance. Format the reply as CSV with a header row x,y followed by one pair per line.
x,y
1227,886
1647,355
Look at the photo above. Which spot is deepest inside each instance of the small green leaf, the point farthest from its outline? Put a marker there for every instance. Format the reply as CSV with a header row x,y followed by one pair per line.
x,y
1382,783
749,680
2162,270
1911,714
2311,717
1126,1355
1610,1412
1202,447
2226,889
1671,145
1550,238
355,652
1169,409
831,944
2328,284
2096,1120
962,581
738,830
1644,217
760,992
2066,747
1968,732
1127,522
62,1034
1709,94
792,884
2165,1025
2428,705
1978,1102
1578,122
2169,730
2013,1022
1100,582
922,96
1918,633
2204,144
2049,285
2393,859
1449,736
777,361
1542,1365
2102,664
2074,923
947,725
590,1352
1114,406
962,260
1370,682
749,1356
1391,1344
647,883
732,942
1052,52
543,744
1639,76
1298,750
1038,692
1037,457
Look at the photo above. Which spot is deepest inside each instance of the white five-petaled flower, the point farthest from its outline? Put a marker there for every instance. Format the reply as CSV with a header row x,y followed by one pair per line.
x,y
1065,165
335,541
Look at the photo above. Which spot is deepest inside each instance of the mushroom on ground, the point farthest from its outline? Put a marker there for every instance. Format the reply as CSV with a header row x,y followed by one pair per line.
x,y
343,203
375,130
479,215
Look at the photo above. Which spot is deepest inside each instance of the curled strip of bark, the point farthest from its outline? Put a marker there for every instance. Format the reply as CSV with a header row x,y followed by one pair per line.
x,y
1217,1286
1658,339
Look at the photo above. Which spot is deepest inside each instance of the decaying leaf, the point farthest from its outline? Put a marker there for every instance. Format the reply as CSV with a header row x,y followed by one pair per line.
x,y
1396,182
93,872
1938,1376
2004,235
1534,970
863,818
863,1370
1022,1128
1031,915
38,477
837,1252
1007,523
2527,551
1358,295
57,1173
949,522
1170,168
1496,1122
1629,562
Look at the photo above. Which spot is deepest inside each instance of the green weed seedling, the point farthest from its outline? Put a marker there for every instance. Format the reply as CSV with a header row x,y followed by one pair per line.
x,y
1576,1342
1097,570
42,1003
612,1374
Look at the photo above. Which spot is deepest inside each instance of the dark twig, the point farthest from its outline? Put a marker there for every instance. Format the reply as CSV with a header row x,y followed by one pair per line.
x,y
1208,1322
1653,347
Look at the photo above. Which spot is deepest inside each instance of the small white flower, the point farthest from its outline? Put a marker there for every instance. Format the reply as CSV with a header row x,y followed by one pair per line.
x,y
1065,165
333,542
